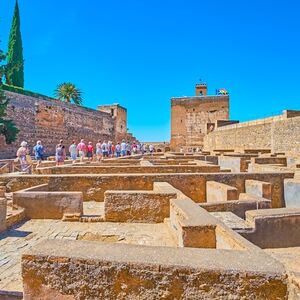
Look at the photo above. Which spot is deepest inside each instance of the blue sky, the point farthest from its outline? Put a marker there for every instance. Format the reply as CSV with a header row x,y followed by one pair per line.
x,y
140,53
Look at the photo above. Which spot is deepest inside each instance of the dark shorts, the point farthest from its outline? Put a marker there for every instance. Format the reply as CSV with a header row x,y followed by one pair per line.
x,y
90,154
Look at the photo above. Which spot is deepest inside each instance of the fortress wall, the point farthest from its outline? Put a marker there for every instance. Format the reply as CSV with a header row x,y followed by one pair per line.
x,y
280,134
50,120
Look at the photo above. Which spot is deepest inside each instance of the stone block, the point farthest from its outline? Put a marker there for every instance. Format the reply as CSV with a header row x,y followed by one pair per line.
x,y
216,191
258,188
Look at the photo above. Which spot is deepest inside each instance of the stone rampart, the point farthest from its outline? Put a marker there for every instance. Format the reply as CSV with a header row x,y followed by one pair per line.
x,y
279,134
50,120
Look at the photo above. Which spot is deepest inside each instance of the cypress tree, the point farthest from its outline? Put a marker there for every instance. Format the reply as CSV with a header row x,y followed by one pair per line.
x,y
7,127
15,75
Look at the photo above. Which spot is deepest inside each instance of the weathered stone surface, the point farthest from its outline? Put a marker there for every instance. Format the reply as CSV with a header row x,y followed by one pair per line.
x,y
128,169
3,209
48,205
137,206
238,207
26,235
258,188
292,193
192,225
274,228
218,192
89,270
193,185
193,117
278,133
50,120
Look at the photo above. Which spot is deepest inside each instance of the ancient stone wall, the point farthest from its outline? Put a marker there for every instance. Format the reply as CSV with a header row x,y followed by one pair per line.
x,y
193,117
50,120
280,134
69,270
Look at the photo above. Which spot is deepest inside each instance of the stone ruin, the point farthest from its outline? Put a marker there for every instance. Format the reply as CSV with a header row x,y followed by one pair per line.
x,y
210,225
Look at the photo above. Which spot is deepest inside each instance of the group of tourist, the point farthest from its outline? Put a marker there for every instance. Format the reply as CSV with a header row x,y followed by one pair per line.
x,y
102,150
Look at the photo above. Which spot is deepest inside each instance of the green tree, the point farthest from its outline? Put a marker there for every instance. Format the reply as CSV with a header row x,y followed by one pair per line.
x,y
7,127
68,92
15,66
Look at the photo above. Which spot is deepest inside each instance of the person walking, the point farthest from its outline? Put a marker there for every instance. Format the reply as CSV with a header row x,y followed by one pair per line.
x,y
128,149
109,143
90,151
22,157
38,151
73,152
151,149
104,149
123,148
60,154
113,150
134,148
118,150
81,148
98,150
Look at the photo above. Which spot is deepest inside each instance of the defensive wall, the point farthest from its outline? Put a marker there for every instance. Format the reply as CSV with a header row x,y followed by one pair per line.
x,y
278,134
49,120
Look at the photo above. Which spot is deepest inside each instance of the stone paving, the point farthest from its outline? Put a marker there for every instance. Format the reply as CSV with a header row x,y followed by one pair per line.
x,y
27,234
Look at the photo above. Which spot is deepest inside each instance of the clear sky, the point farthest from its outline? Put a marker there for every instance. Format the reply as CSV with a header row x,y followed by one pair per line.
x,y
140,53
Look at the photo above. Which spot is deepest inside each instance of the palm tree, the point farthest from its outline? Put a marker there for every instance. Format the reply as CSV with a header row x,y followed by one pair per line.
x,y
68,92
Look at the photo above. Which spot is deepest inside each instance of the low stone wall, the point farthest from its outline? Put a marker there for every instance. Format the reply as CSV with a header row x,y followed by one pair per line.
x,y
258,188
292,193
269,160
14,217
192,185
235,164
274,228
127,169
191,225
70,270
3,209
137,206
238,207
216,192
49,205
